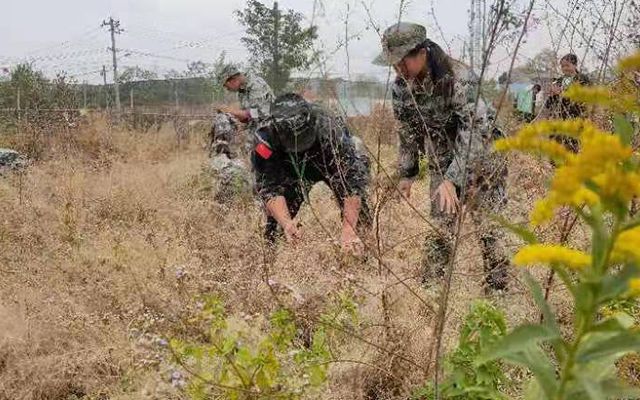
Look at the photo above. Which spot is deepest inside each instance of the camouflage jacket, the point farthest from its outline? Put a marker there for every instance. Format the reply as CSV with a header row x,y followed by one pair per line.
x,y
255,96
333,159
562,107
441,128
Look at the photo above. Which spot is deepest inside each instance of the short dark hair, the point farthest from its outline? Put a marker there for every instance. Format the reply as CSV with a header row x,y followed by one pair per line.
x,y
572,58
537,86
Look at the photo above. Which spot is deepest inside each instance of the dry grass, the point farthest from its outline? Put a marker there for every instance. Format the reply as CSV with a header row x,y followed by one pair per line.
x,y
106,242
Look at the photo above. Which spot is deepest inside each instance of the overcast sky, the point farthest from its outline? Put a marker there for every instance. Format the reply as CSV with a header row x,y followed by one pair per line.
x,y
165,34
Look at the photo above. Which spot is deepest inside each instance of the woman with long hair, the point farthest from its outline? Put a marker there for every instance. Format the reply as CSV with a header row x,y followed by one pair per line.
x,y
442,116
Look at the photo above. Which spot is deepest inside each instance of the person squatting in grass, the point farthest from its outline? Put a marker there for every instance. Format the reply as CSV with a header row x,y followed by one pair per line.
x,y
300,145
434,98
255,95
255,98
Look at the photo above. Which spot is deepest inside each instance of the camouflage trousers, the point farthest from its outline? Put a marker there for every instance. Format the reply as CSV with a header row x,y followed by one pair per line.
x,y
223,130
233,175
482,200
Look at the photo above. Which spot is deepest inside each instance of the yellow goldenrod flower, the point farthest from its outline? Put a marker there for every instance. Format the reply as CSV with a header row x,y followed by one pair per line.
x,y
602,96
630,63
542,212
571,127
584,196
599,174
549,148
618,185
627,246
634,287
552,254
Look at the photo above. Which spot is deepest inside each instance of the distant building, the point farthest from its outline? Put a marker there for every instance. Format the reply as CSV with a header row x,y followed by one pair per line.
x,y
357,97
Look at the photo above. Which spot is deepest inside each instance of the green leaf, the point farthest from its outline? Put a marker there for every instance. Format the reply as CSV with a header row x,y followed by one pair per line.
x,y
591,387
538,297
317,374
599,238
617,323
521,230
614,389
631,224
533,391
549,316
584,297
197,390
611,388
623,128
619,344
518,340
615,284
228,345
540,365
244,357
263,380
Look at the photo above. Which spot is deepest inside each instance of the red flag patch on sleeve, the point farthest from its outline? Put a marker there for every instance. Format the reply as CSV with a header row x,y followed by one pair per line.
x,y
264,151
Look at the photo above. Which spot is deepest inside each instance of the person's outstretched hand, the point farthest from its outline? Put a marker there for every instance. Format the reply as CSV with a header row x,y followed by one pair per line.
x,y
404,186
292,233
447,197
351,243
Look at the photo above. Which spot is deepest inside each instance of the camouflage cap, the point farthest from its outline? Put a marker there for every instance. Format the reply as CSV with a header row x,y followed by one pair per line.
x,y
293,120
398,40
228,72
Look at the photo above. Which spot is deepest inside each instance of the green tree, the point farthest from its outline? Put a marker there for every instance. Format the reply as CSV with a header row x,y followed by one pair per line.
x,y
63,92
132,74
278,42
542,66
27,88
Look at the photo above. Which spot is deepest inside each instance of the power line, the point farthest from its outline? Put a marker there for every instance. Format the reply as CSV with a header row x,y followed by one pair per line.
x,y
147,54
86,35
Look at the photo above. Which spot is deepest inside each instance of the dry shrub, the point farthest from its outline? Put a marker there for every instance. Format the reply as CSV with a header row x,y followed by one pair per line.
x,y
379,123
89,243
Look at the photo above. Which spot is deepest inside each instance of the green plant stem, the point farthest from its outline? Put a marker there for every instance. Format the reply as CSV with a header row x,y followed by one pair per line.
x,y
233,365
569,363
586,320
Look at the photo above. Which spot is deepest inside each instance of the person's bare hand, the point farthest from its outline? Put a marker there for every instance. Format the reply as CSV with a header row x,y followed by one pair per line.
x,y
404,186
447,197
351,243
292,233
226,109
556,89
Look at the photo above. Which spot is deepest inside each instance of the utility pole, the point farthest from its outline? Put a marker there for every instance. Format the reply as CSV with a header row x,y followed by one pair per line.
x,y
114,28
472,34
175,94
106,92
477,34
276,44
84,95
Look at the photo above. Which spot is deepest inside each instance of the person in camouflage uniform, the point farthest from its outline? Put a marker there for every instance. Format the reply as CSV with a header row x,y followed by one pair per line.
x,y
300,145
563,108
435,99
255,98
